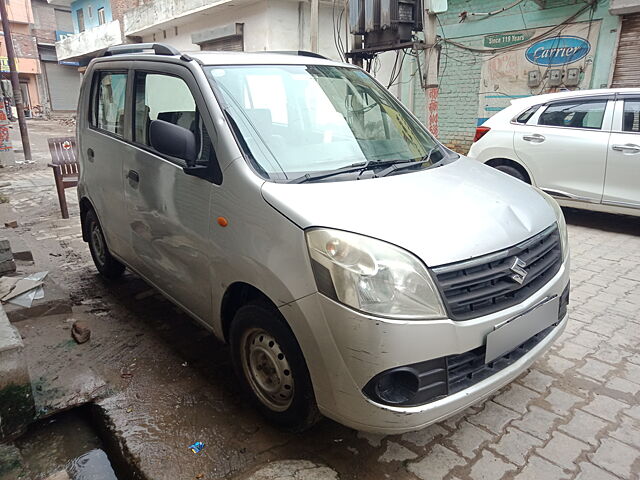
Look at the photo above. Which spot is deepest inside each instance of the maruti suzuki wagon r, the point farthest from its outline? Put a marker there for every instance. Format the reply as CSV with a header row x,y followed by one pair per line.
x,y
357,267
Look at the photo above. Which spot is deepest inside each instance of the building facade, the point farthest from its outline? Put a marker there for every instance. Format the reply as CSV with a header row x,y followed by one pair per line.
x,y
27,62
488,56
59,82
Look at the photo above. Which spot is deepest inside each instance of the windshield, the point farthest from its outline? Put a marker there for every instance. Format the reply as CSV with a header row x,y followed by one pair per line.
x,y
305,119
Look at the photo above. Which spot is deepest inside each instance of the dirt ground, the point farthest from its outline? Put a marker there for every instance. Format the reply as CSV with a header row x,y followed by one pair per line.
x,y
163,382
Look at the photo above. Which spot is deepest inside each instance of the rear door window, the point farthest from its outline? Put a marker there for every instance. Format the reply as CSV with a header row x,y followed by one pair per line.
x,y
574,114
109,100
631,116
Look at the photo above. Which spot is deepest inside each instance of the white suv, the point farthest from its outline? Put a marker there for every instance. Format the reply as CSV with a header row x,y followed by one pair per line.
x,y
581,147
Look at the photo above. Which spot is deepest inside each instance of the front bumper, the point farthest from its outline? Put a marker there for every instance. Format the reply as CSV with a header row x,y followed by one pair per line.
x,y
344,349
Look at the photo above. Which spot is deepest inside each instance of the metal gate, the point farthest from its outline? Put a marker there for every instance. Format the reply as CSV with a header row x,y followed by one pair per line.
x,y
627,69
64,86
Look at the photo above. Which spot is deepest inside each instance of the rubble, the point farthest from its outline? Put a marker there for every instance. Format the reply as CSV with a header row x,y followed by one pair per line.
x,y
80,332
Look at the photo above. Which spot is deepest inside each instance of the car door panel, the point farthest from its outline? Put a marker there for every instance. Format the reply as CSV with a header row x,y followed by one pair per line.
x,y
563,159
103,136
168,210
622,186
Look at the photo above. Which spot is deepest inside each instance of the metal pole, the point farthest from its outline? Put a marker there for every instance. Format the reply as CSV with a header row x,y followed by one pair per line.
x,y
315,7
15,82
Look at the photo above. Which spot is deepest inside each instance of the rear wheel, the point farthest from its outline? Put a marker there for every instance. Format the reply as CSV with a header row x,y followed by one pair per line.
x,y
270,364
106,264
513,171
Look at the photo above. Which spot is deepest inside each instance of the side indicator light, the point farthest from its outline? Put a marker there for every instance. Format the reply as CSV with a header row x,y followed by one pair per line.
x,y
223,222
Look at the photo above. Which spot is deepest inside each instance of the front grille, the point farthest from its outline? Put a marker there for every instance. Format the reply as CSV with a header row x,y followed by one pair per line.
x,y
486,285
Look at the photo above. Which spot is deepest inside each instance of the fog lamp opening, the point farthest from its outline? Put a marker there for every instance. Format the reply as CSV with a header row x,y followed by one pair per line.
x,y
397,387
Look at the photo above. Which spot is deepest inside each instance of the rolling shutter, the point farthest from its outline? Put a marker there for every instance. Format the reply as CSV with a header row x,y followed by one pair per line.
x,y
627,69
64,85
226,44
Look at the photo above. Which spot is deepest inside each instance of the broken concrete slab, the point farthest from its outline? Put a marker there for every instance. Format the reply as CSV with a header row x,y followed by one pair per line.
x,y
293,470
17,408
7,264
55,302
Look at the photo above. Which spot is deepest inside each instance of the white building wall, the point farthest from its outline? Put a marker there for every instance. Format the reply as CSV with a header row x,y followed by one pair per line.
x,y
275,25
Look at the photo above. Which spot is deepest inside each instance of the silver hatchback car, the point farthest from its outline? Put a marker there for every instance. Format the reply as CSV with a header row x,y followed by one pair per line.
x,y
358,268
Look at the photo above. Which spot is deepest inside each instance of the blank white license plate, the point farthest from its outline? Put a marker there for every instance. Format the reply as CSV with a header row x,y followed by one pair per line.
x,y
519,329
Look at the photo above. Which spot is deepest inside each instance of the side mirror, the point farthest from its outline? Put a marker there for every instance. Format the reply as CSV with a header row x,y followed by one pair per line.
x,y
173,140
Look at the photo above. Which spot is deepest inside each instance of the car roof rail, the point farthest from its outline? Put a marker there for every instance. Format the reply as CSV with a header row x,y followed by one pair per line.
x,y
158,49
301,53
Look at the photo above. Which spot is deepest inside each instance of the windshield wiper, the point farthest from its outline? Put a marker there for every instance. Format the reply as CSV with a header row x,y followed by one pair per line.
x,y
354,167
402,164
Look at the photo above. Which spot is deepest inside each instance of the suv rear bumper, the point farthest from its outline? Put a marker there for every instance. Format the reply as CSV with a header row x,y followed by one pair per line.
x,y
345,349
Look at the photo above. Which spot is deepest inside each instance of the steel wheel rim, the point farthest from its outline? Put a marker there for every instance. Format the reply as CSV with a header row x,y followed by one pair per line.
x,y
266,368
97,242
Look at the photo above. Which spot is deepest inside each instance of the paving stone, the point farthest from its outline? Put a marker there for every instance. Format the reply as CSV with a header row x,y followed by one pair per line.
x,y
609,354
584,426
468,438
615,457
591,472
515,445
493,417
588,339
516,397
622,385
628,432
596,369
633,412
436,464
422,437
490,467
537,381
558,364
538,422
396,453
631,372
605,407
540,469
563,450
574,351
561,402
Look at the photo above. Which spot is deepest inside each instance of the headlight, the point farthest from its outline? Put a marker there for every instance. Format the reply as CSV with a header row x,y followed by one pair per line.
x,y
372,276
562,224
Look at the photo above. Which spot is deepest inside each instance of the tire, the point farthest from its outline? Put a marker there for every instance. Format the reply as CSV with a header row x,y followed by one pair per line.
x,y
108,266
271,367
513,171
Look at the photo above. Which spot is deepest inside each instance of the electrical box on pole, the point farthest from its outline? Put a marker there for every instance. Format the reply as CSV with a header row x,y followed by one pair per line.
x,y
385,24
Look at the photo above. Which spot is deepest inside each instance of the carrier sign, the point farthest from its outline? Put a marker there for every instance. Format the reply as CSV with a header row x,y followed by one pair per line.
x,y
558,51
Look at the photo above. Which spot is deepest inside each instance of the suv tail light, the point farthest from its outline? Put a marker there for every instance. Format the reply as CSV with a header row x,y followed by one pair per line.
x,y
480,132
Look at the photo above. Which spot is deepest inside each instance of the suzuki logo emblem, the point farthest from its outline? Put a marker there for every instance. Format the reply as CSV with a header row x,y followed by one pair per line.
x,y
519,273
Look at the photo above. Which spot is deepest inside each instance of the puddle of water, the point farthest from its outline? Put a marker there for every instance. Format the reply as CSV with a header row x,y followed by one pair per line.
x,y
65,443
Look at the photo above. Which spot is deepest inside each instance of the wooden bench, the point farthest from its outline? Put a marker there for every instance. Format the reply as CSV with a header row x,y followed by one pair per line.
x,y
65,167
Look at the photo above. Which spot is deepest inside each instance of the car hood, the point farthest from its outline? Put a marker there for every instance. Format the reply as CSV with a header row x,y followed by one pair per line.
x,y
444,214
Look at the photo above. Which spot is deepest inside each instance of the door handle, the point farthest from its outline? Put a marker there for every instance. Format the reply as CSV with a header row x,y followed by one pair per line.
x,y
626,148
535,137
90,154
133,176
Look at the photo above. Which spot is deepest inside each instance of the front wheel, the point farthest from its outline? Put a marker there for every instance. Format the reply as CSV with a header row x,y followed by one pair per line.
x,y
106,264
268,360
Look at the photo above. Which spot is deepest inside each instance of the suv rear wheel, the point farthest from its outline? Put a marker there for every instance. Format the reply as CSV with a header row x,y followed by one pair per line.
x,y
108,266
272,369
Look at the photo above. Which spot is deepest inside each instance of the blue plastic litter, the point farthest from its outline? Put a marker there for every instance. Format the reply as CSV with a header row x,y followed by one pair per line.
x,y
196,447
